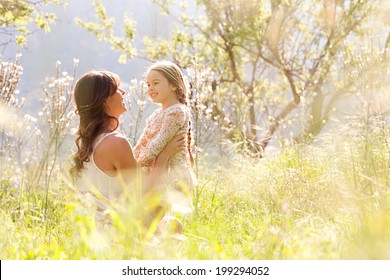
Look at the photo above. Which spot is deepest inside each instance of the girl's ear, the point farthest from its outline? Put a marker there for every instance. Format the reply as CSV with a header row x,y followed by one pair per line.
x,y
173,87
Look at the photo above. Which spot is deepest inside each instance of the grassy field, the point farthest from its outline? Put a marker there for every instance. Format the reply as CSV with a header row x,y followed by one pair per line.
x,y
328,199
324,198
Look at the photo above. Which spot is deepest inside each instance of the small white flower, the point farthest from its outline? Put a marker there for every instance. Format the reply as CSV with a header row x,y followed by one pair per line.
x,y
38,131
30,118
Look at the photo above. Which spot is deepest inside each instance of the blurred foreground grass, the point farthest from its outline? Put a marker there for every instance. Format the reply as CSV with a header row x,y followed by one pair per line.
x,y
326,200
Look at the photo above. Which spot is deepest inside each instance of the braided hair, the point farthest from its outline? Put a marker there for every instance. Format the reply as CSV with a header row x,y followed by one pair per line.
x,y
175,77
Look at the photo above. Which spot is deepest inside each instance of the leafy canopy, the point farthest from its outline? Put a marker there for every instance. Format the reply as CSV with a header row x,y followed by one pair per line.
x,y
19,18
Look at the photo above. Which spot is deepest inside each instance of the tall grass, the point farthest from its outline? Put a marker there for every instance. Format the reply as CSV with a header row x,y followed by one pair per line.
x,y
310,203
327,199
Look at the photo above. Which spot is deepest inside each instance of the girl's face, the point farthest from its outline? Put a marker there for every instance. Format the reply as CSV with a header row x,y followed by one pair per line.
x,y
160,90
115,105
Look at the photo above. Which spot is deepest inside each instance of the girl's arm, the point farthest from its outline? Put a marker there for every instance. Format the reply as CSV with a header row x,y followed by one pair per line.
x,y
171,124
142,138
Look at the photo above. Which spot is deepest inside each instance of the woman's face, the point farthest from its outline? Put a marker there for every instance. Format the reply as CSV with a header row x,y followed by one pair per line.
x,y
159,88
115,104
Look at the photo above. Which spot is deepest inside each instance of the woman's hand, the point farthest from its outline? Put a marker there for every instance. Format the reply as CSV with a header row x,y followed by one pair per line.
x,y
175,145
158,172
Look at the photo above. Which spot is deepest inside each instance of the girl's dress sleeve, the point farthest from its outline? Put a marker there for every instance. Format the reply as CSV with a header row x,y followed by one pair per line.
x,y
172,122
142,139
137,148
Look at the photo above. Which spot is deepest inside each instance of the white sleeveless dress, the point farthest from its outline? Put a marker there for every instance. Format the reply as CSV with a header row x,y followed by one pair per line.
x,y
96,184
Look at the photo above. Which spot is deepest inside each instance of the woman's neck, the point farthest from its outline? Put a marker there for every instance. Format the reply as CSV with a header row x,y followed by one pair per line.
x,y
110,127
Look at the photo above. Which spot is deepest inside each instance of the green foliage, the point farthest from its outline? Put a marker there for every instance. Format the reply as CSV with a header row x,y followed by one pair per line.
x,y
15,17
272,64
323,199
326,200
103,30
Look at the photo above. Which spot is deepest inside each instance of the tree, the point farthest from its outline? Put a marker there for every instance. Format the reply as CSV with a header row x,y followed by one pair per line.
x,y
16,16
272,61
103,30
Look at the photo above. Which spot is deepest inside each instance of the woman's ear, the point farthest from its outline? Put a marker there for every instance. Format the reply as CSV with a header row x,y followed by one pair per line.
x,y
106,106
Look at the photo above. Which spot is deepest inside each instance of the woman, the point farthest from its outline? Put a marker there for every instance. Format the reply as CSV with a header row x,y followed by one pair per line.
x,y
104,163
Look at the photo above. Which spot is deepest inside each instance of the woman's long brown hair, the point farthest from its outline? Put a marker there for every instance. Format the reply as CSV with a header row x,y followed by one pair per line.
x,y
90,93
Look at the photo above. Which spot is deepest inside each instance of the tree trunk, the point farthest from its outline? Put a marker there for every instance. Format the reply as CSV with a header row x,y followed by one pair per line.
x,y
316,119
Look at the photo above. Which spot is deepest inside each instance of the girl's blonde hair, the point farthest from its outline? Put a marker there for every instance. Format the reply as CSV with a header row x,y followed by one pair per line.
x,y
175,77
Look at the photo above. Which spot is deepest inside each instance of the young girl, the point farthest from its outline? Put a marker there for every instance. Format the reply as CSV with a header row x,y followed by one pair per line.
x,y
166,87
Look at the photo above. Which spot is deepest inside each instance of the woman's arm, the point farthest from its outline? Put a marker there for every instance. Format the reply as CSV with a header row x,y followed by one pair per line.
x,y
115,155
156,176
152,188
174,146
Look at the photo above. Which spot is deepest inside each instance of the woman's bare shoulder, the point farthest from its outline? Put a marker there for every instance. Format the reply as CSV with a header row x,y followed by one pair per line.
x,y
115,144
116,141
115,152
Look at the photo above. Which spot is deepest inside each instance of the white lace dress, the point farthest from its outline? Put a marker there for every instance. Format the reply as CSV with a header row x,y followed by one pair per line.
x,y
96,186
160,128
